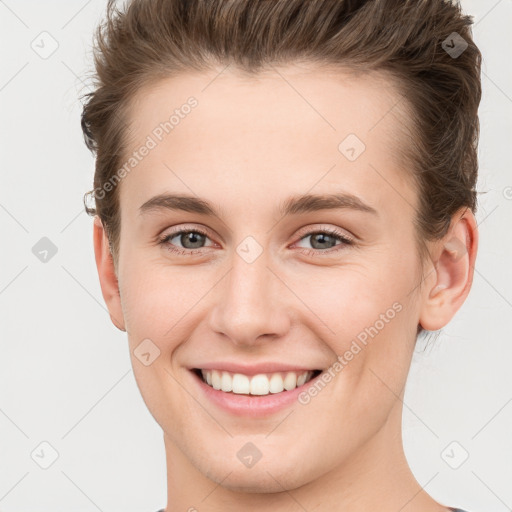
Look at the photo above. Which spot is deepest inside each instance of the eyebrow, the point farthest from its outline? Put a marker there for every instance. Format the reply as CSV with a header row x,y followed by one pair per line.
x,y
292,206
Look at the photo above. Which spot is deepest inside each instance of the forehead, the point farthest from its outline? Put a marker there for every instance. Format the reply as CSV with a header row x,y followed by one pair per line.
x,y
289,128
321,99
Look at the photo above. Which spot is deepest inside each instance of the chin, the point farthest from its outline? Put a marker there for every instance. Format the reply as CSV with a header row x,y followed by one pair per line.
x,y
259,482
266,476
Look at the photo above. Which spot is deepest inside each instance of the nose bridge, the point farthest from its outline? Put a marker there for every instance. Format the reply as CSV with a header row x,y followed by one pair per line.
x,y
248,304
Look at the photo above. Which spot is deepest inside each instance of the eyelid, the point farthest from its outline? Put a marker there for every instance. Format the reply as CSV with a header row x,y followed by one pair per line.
x,y
175,230
336,231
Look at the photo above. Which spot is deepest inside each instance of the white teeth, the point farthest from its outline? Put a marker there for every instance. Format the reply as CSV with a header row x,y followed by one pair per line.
x,y
216,380
301,379
226,382
241,383
276,383
261,384
290,381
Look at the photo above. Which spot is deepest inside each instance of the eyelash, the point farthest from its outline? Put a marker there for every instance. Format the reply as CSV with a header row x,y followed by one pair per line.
x,y
309,252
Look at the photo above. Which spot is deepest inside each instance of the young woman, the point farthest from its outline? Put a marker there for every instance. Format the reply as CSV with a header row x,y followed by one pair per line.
x,y
284,201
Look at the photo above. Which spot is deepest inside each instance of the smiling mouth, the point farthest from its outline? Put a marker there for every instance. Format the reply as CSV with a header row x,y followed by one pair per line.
x,y
258,385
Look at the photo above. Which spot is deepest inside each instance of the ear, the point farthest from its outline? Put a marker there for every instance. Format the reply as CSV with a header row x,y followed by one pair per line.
x,y
454,261
107,275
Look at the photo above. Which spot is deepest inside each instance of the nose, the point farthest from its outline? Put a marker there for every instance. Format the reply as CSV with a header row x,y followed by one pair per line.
x,y
250,303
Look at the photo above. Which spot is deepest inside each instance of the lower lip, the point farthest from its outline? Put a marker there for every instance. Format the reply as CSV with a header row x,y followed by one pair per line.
x,y
251,405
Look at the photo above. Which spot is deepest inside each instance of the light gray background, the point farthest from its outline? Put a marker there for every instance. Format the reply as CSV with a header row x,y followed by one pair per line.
x,y
65,373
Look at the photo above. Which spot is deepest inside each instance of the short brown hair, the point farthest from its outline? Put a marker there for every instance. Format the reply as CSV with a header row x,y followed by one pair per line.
x,y
409,40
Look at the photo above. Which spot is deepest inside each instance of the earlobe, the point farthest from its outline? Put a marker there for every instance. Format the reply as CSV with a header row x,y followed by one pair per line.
x,y
454,270
107,275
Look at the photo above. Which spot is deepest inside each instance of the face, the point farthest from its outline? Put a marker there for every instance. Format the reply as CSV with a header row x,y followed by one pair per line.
x,y
267,283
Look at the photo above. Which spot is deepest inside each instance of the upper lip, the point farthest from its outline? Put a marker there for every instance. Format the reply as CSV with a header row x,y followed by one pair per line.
x,y
253,369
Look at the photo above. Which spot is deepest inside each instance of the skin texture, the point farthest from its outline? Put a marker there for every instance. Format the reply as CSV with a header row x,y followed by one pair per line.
x,y
250,144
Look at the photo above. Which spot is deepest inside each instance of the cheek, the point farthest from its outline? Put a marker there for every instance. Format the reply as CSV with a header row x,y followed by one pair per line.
x,y
347,300
157,298
367,317
158,306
